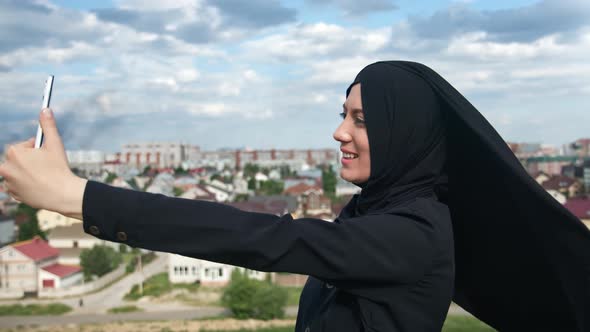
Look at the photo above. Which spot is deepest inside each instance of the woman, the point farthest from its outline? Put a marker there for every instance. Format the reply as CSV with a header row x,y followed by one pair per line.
x,y
439,186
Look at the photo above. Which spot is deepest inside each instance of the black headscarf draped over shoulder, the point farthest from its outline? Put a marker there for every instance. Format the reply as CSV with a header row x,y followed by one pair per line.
x,y
522,260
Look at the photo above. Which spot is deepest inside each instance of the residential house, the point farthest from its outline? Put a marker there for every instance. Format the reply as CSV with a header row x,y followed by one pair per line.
x,y
311,200
199,192
345,188
50,220
185,182
293,181
33,264
4,197
222,193
8,204
580,207
557,195
7,230
540,176
570,187
182,269
163,183
71,240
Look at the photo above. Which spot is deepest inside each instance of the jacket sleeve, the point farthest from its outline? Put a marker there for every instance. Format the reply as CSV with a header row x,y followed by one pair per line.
x,y
382,248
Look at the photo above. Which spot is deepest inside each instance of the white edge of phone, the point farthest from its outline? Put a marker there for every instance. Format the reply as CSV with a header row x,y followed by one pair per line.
x,y
46,100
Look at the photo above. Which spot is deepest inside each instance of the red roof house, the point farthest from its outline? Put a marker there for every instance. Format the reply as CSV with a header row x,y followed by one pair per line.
x,y
36,249
61,270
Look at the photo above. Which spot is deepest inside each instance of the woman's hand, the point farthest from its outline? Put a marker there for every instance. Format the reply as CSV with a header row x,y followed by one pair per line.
x,y
42,178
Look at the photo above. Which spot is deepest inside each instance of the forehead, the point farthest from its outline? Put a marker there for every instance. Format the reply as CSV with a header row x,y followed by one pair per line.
x,y
354,101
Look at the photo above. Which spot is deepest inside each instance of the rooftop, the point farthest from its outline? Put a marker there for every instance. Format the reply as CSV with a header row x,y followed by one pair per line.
x,y
36,249
579,206
62,270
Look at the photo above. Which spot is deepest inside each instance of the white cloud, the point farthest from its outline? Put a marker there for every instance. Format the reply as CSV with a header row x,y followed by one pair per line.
x,y
475,44
305,41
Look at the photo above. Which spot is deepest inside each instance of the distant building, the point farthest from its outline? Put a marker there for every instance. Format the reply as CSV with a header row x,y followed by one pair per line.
x,y
551,165
71,240
50,220
7,230
154,154
345,188
580,207
199,192
33,264
569,187
86,161
182,269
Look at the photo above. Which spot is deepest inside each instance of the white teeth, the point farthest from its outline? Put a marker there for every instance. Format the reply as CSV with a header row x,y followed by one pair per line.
x,y
349,155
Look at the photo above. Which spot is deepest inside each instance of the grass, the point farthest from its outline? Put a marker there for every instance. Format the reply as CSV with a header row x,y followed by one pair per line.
x,y
454,323
157,285
34,309
266,329
123,309
293,294
457,323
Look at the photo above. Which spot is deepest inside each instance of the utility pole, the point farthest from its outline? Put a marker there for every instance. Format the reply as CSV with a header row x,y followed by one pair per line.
x,y
140,275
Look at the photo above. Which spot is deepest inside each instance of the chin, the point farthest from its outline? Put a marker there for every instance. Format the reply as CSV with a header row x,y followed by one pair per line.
x,y
349,177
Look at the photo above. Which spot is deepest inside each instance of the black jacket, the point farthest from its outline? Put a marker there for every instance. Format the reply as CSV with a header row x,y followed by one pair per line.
x,y
390,272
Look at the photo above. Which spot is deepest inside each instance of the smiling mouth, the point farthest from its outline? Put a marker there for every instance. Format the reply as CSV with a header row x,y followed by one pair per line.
x,y
350,155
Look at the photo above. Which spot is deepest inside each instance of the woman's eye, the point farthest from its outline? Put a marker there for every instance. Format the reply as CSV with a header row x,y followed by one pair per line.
x,y
359,121
343,115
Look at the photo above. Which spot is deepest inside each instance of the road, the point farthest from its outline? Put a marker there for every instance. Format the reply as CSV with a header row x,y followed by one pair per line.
x,y
154,313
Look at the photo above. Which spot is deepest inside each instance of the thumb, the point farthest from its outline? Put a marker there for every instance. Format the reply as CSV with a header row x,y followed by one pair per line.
x,y
51,134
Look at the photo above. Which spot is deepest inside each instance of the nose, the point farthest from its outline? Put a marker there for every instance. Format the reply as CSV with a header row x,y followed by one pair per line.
x,y
341,134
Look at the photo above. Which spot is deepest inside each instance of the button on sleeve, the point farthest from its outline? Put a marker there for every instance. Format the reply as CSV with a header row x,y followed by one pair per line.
x,y
109,212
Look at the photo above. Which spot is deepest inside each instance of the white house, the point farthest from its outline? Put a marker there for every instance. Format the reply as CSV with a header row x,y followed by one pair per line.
x,y
7,229
221,195
70,240
558,196
49,220
33,264
59,276
182,269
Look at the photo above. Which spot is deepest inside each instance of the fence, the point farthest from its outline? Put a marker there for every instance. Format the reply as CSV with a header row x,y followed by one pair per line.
x,y
84,288
7,294
290,279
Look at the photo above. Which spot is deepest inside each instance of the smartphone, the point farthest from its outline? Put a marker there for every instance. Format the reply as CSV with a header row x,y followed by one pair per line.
x,y
46,100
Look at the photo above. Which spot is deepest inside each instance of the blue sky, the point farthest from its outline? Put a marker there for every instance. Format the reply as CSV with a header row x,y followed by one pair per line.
x,y
270,73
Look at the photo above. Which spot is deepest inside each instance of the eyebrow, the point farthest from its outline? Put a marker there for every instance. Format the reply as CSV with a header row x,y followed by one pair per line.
x,y
354,110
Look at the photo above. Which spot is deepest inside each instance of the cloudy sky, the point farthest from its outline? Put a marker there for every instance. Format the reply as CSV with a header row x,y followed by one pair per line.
x,y
270,73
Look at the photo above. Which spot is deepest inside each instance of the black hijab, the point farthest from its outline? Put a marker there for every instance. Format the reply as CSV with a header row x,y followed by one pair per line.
x,y
522,259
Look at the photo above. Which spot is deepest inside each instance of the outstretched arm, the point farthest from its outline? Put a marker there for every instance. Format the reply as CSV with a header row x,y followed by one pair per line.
x,y
386,248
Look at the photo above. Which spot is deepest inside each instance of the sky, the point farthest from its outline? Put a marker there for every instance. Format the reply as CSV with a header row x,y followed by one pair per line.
x,y
273,74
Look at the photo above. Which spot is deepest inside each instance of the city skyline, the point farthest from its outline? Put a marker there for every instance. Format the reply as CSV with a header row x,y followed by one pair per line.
x,y
273,74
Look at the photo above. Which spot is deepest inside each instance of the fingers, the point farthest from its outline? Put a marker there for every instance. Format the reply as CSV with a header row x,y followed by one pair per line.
x,y
51,137
30,143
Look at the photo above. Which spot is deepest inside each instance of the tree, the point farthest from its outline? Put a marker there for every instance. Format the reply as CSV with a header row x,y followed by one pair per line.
x,y
30,228
329,181
250,170
248,298
180,171
271,187
177,191
110,178
99,260
252,183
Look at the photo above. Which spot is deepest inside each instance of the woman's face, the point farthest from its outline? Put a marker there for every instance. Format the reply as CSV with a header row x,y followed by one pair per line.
x,y
353,138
